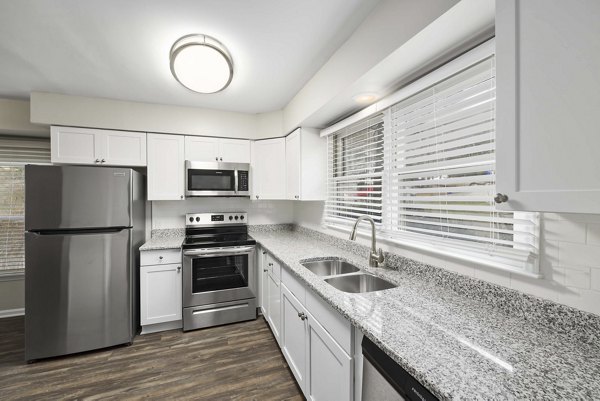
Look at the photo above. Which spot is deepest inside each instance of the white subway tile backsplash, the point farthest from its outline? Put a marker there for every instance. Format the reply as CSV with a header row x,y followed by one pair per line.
x,y
564,230
587,300
578,254
579,277
593,234
595,279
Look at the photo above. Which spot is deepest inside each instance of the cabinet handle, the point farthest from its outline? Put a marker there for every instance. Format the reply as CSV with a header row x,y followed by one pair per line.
x,y
501,198
302,316
265,270
178,269
97,161
181,197
220,159
102,161
264,252
270,264
256,196
216,158
160,257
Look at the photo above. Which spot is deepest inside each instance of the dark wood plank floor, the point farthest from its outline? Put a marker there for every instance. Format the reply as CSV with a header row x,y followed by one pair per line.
x,y
235,362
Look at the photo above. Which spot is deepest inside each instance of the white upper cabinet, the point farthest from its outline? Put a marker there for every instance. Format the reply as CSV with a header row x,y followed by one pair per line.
x,y
70,145
208,149
548,97
166,167
201,149
268,169
305,165
234,151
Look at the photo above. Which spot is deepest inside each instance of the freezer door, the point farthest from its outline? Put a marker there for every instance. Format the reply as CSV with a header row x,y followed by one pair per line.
x,y
66,197
78,292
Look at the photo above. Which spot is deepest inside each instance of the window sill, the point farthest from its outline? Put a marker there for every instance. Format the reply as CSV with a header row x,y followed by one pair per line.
x,y
439,252
13,275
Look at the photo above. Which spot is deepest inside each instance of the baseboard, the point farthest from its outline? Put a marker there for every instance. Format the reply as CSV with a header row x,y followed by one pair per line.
x,y
155,328
12,312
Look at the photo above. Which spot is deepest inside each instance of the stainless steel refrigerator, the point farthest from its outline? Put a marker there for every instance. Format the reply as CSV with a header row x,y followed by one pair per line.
x,y
84,226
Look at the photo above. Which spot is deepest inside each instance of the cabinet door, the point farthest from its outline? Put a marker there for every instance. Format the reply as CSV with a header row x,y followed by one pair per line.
x,y
293,165
293,335
548,91
274,304
263,282
122,148
166,167
234,151
269,169
160,293
201,148
329,374
73,145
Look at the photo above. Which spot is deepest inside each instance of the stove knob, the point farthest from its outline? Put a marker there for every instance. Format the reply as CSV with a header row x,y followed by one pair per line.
x,y
241,217
191,219
236,217
197,219
230,217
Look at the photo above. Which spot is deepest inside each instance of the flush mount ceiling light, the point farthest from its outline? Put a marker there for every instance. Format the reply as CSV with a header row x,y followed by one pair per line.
x,y
365,98
201,63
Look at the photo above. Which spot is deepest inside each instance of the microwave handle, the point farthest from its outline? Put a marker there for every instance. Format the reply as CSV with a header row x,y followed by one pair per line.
x,y
235,182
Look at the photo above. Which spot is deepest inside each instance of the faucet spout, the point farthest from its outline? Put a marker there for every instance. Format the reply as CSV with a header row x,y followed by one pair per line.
x,y
376,257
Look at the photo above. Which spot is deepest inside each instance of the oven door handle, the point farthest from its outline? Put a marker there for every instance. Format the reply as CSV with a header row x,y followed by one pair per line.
x,y
209,253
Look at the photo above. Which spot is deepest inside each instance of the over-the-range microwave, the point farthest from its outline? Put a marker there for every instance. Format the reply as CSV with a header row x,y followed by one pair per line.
x,y
217,179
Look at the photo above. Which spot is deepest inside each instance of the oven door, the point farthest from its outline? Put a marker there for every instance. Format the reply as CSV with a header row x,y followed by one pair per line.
x,y
213,179
216,275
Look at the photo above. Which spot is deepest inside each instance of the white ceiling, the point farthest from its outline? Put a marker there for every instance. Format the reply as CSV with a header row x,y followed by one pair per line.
x,y
119,49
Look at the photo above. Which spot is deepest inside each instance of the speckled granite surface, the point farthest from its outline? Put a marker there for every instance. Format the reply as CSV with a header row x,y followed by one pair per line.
x,y
462,338
171,238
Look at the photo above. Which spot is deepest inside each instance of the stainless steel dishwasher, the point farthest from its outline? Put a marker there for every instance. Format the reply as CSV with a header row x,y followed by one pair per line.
x,y
385,380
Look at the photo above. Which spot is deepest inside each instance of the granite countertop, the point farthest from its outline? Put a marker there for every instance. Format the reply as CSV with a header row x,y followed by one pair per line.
x,y
460,337
171,238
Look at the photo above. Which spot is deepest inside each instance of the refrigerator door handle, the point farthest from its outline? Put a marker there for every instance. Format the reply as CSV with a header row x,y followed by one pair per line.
x,y
75,231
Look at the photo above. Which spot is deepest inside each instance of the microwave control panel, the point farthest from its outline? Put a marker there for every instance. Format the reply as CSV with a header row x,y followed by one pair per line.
x,y
242,181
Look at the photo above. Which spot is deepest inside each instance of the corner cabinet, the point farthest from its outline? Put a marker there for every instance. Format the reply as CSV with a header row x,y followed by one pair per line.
x,y
160,290
268,169
71,145
548,95
305,165
166,167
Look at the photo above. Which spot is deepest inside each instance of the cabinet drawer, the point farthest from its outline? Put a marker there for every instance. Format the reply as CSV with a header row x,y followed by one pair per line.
x,y
294,285
332,321
274,266
160,256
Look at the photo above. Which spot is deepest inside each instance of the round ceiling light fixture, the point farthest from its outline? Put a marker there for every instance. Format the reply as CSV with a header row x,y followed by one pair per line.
x,y
201,63
365,98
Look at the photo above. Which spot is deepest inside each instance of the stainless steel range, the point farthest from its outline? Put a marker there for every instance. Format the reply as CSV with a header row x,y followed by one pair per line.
x,y
219,276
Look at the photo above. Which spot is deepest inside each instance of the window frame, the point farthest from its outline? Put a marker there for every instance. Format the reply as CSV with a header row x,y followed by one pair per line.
x,y
529,266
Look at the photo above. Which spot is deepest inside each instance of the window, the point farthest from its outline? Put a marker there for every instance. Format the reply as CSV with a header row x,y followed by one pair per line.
x,y
14,154
436,189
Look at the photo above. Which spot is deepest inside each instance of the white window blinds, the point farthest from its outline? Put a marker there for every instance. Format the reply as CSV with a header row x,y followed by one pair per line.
x,y
440,172
14,154
355,172
436,188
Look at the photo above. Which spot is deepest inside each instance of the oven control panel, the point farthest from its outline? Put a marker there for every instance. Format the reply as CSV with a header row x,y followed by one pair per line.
x,y
215,219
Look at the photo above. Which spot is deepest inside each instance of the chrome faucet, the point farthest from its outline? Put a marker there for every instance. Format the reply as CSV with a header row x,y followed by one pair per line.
x,y
375,257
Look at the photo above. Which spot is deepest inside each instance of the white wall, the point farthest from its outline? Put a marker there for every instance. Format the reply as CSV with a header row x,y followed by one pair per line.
x,y
171,214
569,258
79,111
14,119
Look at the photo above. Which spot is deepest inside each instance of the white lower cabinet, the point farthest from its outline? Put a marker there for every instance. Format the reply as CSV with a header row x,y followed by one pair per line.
x,y
320,353
293,335
330,368
160,291
274,305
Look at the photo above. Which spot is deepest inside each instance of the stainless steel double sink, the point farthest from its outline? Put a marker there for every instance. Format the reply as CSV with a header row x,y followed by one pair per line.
x,y
346,277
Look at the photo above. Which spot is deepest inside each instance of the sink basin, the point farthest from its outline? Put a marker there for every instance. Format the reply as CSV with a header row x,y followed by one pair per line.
x,y
359,283
330,267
